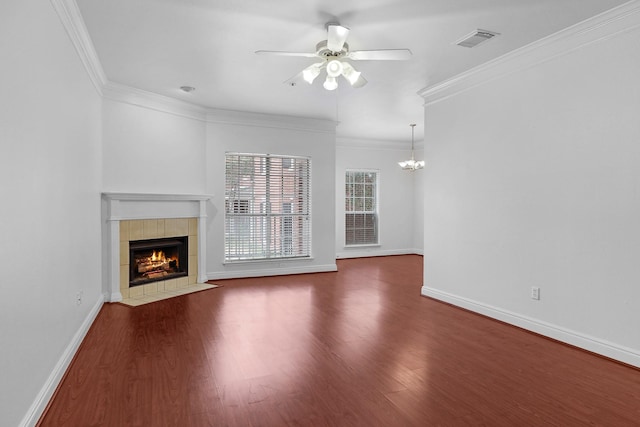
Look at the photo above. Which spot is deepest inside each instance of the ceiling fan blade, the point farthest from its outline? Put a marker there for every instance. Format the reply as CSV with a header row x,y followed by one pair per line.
x,y
281,53
336,37
380,55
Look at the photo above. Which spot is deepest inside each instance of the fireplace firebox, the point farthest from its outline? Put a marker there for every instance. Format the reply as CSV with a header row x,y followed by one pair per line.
x,y
157,259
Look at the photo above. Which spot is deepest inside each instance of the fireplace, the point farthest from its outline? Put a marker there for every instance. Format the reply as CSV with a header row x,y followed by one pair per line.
x,y
131,217
153,260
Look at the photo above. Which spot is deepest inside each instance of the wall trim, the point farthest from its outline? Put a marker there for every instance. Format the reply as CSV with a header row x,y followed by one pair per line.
x,y
264,272
377,143
166,104
608,24
364,253
602,347
73,23
277,121
600,27
39,405
153,101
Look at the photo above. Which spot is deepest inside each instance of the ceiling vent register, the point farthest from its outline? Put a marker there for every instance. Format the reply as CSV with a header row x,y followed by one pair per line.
x,y
477,37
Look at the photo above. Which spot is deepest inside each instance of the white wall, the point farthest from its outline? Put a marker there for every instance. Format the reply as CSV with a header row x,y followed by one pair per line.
x,y
418,203
533,180
263,134
142,140
397,204
146,135
154,151
49,204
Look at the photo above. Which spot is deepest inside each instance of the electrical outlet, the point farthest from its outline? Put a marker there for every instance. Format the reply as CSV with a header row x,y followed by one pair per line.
x,y
535,292
79,298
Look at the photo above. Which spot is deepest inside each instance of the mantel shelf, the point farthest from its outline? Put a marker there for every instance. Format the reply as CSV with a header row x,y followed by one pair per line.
x,y
156,197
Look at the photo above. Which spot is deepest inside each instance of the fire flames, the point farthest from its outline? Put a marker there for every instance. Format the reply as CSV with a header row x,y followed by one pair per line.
x,y
158,256
156,265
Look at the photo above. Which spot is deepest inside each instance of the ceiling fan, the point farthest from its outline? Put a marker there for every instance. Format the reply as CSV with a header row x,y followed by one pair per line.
x,y
333,52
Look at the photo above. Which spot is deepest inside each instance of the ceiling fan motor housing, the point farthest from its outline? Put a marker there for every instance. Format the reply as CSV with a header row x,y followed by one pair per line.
x,y
324,52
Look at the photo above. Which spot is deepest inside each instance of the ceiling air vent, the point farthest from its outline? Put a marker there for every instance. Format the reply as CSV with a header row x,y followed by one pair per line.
x,y
476,37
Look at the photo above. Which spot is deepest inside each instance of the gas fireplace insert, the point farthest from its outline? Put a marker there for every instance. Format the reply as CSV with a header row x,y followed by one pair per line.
x,y
157,259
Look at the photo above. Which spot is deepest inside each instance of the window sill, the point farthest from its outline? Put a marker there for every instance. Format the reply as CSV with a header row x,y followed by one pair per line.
x,y
368,245
267,260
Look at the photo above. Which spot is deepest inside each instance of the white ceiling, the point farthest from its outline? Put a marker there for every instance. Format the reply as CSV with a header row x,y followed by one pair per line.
x,y
160,45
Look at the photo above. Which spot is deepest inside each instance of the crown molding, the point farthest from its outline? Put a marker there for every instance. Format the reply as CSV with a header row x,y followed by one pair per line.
x,y
142,98
606,25
376,143
277,121
73,23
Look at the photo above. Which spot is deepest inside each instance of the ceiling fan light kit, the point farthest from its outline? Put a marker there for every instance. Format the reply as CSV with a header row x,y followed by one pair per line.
x,y
334,51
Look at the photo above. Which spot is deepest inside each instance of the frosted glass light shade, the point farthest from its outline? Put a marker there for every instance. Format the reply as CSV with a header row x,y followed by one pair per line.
x,y
330,83
350,73
310,73
412,164
334,68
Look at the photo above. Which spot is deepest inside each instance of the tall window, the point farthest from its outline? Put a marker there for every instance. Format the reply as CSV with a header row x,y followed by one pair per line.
x,y
267,207
361,207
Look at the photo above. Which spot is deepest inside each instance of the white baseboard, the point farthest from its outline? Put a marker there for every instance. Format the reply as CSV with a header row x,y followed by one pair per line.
x,y
280,271
586,342
42,399
115,297
369,252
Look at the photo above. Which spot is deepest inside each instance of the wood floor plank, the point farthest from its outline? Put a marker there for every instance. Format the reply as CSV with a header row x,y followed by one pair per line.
x,y
357,347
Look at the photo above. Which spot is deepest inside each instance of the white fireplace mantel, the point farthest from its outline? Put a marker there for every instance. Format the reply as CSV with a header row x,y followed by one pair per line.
x,y
118,207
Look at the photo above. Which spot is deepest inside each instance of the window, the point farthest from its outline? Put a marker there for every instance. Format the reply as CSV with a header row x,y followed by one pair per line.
x,y
361,208
267,207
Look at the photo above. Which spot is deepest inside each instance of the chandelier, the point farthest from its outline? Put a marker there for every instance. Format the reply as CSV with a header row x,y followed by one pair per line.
x,y
412,164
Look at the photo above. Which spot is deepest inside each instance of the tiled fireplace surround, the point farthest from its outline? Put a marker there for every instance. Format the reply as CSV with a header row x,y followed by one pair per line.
x,y
143,229
136,216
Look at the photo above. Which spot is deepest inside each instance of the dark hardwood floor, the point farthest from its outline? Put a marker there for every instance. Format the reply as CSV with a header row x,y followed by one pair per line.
x,y
359,347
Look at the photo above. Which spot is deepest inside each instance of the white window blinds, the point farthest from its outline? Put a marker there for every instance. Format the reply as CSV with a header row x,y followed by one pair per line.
x,y
361,207
267,212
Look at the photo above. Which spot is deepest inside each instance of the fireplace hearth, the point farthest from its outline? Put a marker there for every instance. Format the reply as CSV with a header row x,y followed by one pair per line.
x,y
153,260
